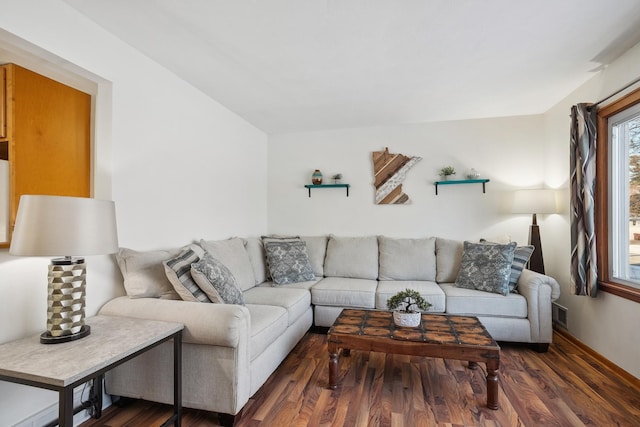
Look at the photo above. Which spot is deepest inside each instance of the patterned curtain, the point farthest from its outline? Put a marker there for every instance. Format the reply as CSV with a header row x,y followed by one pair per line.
x,y
584,272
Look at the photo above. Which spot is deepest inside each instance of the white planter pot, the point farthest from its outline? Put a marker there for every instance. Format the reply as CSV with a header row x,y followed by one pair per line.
x,y
407,319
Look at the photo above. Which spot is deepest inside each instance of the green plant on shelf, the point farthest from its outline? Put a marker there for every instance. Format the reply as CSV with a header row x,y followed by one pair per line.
x,y
447,171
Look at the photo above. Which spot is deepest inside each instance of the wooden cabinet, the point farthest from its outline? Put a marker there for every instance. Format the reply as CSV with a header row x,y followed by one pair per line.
x,y
3,103
48,133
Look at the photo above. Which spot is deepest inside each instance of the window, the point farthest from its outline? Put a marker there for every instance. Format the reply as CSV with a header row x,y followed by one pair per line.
x,y
618,197
624,195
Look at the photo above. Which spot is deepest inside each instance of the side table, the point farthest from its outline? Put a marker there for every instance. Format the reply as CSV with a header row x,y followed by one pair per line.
x,y
63,367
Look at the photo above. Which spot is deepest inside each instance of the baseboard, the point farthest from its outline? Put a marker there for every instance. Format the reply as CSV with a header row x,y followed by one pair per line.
x,y
600,358
50,413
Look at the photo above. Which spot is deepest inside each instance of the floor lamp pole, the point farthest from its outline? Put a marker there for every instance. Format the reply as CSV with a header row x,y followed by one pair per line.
x,y
536,262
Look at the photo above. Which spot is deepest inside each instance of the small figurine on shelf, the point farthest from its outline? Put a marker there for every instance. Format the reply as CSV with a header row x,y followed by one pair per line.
x,y
446,172
473,174
336,178
316,177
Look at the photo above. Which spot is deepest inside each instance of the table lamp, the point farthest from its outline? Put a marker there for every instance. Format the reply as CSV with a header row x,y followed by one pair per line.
x,y
68,227
539,201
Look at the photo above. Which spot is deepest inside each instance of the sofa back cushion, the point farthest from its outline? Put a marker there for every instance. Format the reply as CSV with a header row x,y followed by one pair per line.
x,y
233,255
144,274
355,257
255,250
448,258
407,259
317,250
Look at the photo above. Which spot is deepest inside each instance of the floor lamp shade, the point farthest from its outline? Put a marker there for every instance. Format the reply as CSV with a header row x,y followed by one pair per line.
x,y
70,227
539,201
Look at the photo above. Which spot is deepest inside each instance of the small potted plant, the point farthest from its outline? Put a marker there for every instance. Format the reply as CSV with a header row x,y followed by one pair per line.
x,y
407,307
336,178
446,172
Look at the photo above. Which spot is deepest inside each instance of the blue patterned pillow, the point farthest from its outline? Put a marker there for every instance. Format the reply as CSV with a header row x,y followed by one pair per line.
x,y
486,267
211,273
288,261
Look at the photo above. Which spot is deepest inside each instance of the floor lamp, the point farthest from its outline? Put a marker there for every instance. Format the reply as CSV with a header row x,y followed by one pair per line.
x,y
71,227
535,202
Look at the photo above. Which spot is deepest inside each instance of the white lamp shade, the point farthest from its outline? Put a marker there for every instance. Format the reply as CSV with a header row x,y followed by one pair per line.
x,y
64,226
535,202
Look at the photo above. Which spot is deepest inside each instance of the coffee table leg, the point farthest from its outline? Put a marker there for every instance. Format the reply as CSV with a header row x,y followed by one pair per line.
x,y
346,352
333,367
492,384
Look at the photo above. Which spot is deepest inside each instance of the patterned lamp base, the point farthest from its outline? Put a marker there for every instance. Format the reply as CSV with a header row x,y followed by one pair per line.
x,y
66,301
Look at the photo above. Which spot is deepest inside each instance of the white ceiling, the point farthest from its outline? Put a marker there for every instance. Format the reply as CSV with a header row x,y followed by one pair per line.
x,y
291,65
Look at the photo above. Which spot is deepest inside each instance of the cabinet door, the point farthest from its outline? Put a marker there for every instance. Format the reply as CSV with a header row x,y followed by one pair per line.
x,y
50,130
3,103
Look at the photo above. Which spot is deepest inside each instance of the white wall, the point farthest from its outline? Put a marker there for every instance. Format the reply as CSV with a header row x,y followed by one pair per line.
x,y
509,151
178,165
608,323
512,152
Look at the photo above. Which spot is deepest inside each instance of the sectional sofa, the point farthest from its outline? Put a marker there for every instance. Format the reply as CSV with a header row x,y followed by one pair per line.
x,y
229,350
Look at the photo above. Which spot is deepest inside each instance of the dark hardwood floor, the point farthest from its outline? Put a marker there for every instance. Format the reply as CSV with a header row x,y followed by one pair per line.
x,y
564,387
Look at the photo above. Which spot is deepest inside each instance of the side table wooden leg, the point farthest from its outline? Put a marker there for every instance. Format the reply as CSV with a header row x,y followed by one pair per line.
x,y
492,384
333,367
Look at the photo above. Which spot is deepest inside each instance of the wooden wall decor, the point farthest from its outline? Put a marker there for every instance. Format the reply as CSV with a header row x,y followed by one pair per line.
x,y
389,171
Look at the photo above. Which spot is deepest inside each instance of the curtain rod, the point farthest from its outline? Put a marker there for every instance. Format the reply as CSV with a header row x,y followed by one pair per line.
x,y
614,94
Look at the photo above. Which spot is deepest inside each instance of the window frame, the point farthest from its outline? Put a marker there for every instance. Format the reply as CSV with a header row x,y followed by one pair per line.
x,y
605,282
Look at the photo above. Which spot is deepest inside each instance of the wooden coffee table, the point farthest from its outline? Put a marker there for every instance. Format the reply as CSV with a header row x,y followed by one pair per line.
x,y
439,335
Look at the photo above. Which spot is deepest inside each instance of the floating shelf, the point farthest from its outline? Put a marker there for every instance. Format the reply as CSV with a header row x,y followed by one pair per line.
x,y
462,181
310,186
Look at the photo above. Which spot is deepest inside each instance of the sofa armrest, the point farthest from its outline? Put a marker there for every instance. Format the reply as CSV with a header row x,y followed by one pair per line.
x,y
530,281
540,291
224,325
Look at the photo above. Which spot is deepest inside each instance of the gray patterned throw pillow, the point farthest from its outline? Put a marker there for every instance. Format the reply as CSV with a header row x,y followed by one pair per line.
x,y
520,258
288,261
486,267
211,273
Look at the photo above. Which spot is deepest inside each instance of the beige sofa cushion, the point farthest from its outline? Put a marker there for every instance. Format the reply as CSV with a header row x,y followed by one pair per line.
x,y
317,250
233,255
345,292
144,274
295,300
268,322
255,251
428,290
407,259
355,257
448,259
479,303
